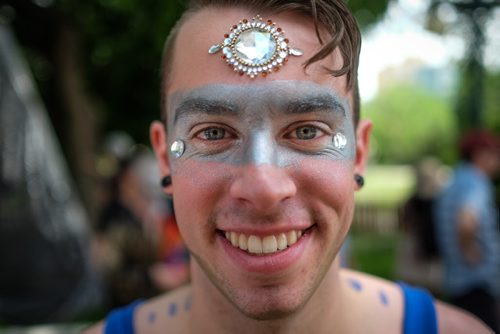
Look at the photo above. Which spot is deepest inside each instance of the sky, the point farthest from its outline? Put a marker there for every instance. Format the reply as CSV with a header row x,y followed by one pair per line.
x,y
401,36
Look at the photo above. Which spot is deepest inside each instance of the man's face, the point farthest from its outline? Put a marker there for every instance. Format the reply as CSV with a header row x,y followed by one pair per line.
x,y
262,166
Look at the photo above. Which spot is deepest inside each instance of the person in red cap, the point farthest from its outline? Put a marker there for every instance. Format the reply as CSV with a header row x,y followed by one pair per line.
x,y
467,228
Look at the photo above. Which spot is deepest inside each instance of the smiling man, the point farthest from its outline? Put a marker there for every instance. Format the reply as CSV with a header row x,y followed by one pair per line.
x,y
262,149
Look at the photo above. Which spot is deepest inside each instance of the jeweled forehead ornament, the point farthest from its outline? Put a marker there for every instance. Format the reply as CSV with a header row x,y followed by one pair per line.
x,y
255,47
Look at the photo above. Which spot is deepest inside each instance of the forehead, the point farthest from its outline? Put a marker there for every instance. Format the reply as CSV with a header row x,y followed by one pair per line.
x,y
194,67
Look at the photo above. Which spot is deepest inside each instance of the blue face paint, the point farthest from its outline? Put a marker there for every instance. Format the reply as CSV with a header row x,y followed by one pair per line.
x,y
276,123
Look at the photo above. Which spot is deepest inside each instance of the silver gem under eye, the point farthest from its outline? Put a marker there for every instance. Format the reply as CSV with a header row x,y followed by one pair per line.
x,y
177,148
339,141
255,47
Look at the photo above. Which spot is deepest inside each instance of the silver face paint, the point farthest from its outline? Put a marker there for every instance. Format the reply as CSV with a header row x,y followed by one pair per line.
x,y
277,123
177,148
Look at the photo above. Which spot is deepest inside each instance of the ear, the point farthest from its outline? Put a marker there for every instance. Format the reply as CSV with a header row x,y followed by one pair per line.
x,y
158,137
363,132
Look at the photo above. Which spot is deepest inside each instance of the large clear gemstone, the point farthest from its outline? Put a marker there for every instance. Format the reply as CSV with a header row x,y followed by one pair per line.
x,y
255,46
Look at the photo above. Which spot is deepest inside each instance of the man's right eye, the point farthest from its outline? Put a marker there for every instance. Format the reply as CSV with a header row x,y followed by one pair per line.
x,y
214,133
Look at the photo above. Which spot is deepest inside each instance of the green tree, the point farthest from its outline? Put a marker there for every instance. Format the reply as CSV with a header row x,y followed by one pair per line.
x,y
492,101
410,122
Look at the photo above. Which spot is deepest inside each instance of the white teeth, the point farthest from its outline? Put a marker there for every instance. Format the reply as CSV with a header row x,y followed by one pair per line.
x,y
282,243
234,240
268,244
243,242
254,244
291,237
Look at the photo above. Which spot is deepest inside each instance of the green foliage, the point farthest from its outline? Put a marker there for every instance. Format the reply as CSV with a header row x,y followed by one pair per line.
x,y
374,253
492,101
409,123
368,12
123,43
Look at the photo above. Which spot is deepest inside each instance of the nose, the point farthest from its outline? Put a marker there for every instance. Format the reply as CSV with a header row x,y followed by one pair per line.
x,y
262,187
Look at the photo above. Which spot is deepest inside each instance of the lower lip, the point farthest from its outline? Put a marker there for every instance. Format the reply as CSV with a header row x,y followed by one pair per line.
x,y
266,263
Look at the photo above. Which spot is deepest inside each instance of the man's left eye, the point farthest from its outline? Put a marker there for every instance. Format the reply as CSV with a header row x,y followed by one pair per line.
x,y
306,132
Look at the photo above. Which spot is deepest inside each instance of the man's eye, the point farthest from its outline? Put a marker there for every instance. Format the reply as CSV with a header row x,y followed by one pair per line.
x,y
306,132
214,133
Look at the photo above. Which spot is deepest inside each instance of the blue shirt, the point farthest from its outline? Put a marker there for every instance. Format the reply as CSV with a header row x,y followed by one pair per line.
x,y
469,188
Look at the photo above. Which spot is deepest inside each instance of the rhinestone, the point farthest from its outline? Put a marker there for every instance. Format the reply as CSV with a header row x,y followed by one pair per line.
x,y
177,148
296,52
214,49
255,46
339,141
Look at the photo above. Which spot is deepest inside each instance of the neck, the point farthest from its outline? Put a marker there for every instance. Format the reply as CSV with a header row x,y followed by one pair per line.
x,y
214,313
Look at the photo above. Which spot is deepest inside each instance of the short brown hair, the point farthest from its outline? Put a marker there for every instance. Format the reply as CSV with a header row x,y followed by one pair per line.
x,y
332,15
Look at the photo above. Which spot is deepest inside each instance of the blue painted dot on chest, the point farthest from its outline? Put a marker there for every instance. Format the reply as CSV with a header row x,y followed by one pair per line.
x,y
355,284
384,300
172,309
151,317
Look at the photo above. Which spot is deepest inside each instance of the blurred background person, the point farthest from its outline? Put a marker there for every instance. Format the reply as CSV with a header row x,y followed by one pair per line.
x,y
137,239
467,228
419,261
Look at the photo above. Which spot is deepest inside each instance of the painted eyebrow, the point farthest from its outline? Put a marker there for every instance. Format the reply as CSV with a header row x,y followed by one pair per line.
x,y
308,104
198,105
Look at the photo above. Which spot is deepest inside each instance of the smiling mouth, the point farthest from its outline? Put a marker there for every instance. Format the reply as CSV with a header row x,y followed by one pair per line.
x,y
264,245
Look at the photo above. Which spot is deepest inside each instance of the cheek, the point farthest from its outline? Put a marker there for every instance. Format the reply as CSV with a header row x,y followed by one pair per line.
x,y
327,186
330,179
197,187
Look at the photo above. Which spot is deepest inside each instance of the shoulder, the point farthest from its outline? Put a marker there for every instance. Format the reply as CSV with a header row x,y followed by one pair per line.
x,y
166,311
373,298
365,282
384,295
153,316
456,321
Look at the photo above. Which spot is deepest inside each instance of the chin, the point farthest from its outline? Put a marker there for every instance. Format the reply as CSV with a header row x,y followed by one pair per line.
x,y
271,303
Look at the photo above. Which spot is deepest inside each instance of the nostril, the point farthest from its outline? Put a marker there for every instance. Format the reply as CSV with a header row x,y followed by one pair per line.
x,y
263,186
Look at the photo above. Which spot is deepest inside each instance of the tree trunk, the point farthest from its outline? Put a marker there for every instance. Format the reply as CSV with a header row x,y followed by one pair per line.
x,y
82,124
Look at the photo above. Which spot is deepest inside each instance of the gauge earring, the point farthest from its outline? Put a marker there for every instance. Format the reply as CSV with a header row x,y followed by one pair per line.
x,y
360,180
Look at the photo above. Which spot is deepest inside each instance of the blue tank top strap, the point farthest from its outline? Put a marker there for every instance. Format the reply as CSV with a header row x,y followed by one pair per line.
x,y
121,320
419,311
